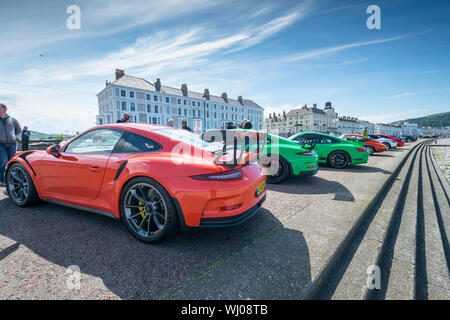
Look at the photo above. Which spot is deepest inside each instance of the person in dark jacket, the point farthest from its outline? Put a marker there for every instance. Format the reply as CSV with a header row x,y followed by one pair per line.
x,y
230,126
126,118
25,138
185,126
9,136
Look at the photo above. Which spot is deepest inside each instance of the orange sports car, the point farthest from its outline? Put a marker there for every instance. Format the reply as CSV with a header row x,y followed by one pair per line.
x,y
371,145
137,173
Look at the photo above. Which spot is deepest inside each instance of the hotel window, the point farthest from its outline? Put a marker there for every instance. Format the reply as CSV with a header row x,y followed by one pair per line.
x,y
155,98
131,94
168,110
156,109
167,99
124,105
123,93
184,102
132,106
185,112
215,115
179,111
207,114
198,104
149,97
149,108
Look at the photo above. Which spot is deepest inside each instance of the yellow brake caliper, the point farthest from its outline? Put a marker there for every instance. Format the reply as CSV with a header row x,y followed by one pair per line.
x,y
141,209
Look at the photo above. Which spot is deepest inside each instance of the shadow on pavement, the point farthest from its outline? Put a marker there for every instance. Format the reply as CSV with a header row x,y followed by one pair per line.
x,y
130,269
313,186
357,168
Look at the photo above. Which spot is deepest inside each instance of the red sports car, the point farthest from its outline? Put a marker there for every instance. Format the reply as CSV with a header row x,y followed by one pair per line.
x,y
136,172
400,142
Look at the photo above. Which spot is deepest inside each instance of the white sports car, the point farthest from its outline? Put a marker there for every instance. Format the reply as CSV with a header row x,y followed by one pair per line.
x,y
390,144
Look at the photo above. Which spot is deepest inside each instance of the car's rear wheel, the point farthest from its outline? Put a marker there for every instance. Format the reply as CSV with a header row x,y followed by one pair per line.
x,y
370,149
148,211
338,159
20,186
282,171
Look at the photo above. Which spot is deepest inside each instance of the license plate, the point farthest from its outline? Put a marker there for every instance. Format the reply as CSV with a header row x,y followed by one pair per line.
x,y
260,188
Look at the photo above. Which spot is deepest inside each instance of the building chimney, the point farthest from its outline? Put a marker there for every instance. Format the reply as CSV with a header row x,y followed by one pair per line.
x,y
106,83
328,104
225,97
241,101
206,94
184,89
119,73
158,84
315,105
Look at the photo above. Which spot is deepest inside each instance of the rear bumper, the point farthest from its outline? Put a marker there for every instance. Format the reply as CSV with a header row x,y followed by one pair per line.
x,y
211,223
309,173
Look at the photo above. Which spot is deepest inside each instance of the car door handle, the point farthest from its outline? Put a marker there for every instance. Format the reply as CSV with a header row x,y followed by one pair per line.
x,y
95,168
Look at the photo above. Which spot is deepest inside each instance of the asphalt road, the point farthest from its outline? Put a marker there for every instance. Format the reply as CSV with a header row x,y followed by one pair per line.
x,y
39,243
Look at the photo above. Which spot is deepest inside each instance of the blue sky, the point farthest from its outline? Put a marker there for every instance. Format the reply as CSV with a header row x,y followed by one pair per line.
x,y
281,54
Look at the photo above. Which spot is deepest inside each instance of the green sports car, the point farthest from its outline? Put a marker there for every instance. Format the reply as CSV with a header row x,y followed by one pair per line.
x,y
287,157
334,151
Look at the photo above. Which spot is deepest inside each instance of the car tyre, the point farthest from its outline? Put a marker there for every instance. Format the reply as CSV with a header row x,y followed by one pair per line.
x,y
20,187
388,145
370,150
338,159
283,172
147,210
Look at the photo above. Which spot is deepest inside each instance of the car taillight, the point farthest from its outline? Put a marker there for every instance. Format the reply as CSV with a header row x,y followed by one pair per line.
x,y
307,153
361,149
220,176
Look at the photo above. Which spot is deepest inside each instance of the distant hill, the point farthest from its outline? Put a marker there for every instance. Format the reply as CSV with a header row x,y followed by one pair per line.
x,y
39,135
434,120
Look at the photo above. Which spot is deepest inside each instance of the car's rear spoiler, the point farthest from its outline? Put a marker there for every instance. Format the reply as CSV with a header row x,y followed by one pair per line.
x,y
309,141
240,148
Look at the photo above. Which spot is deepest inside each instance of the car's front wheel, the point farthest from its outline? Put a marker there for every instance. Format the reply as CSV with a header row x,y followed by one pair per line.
x,y
338,159
20,186
148,211
388,145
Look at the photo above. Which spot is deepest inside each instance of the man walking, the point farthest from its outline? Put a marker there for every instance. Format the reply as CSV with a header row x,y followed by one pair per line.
x,y
25,138
9,136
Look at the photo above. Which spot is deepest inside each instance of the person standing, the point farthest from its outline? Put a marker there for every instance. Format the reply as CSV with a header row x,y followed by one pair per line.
x,y
364,132
25,138
9,136
185,126
170,123
125,118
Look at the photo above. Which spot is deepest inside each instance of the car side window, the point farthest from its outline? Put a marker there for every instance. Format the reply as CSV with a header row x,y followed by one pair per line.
x,y
134,143
100,141
327,140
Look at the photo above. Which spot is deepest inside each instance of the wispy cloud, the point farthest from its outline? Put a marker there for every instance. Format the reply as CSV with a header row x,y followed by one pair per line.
x,y
353,61
415,93
321,52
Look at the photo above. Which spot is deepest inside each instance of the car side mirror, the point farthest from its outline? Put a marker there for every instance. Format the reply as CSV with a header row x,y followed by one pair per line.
x,y
54,150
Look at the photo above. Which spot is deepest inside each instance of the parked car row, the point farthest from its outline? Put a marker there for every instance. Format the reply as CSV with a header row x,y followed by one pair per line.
x,y
140,174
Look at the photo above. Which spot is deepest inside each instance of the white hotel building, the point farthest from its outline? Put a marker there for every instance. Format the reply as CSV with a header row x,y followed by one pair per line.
x,y
153,103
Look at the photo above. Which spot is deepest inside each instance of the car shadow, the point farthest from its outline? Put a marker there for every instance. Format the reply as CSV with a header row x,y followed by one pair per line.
x,y
129,269
363,168
384,154
313,185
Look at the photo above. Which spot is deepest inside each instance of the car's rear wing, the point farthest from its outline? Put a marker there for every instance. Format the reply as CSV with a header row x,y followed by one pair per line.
x,y
309,141
239,148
